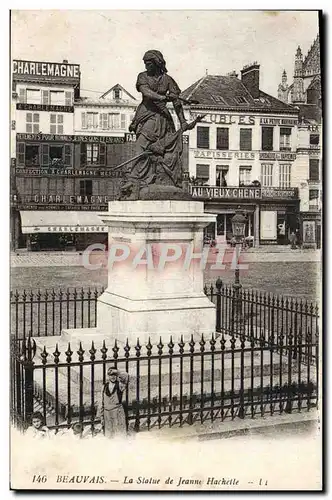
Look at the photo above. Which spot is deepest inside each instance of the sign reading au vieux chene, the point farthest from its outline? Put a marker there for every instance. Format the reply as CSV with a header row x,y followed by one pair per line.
x,y
225,193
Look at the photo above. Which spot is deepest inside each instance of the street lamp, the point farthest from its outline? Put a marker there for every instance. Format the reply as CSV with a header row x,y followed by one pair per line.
x,y
238,228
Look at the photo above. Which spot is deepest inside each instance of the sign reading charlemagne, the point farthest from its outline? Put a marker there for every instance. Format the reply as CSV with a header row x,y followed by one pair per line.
x,y
45,69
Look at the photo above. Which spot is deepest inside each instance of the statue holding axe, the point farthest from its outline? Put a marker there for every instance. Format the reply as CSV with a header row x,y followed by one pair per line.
x,y
157,164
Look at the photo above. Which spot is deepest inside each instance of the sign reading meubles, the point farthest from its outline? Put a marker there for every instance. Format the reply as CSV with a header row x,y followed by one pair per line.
x,y
46,69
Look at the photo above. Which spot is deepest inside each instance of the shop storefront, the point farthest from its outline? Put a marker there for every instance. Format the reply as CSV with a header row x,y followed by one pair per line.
x,y
272,213
63,230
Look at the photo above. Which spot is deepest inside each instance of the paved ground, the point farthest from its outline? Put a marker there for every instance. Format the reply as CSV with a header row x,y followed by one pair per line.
x,y
59,259
291,273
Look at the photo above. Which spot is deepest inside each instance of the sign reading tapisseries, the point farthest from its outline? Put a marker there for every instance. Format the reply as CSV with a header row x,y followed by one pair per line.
x,y
46,69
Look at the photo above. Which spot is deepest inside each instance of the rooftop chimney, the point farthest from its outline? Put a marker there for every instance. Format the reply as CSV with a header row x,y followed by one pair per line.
x,y
232,73
250,78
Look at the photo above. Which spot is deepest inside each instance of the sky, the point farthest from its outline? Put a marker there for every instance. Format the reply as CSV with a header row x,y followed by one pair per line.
x,y
109,44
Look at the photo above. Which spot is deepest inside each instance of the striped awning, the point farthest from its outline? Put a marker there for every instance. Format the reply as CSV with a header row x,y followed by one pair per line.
x,y
61,222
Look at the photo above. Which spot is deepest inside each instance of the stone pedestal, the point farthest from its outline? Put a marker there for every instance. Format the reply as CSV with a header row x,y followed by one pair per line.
x,y
152,299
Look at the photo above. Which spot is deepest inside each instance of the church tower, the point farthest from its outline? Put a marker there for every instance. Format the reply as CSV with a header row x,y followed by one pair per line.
x,y
283,88
298,85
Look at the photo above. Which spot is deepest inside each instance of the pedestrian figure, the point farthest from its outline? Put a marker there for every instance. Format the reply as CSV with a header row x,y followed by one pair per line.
x,y
112,414
292,240
38,428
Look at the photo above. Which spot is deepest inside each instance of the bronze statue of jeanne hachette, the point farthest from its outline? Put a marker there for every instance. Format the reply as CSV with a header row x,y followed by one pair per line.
x,y
156,170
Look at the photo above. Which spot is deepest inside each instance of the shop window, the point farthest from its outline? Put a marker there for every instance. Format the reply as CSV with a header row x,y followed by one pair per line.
x,y
284,175
313,169
314,139
267,138
244,176
314,198
56,156
203,137
31,155
202,174
267,174
285,136
86,188
56,124
33,96
93,154
221,175
32,123
245,139
57,97
222,138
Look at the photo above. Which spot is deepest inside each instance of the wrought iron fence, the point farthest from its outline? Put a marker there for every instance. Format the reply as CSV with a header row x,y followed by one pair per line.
x,y
244,311
259,315
47,313
217,378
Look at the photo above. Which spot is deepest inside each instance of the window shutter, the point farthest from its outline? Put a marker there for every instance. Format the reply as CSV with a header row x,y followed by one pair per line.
x,y
102,154
267,138
44,155
117,121
45,97
68,155
21,153
245,139
101,120
68,98
83,117
203,172
222,138
23,95
83,154
123,122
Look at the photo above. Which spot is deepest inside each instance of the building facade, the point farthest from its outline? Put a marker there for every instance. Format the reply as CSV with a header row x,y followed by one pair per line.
x,y
305,93
62,167
242,155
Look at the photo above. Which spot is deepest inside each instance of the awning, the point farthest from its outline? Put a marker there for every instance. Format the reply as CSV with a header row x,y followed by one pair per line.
x,y
61,222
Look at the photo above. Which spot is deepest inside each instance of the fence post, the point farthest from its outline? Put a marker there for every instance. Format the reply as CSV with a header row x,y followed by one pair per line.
x,y
29,352
218,307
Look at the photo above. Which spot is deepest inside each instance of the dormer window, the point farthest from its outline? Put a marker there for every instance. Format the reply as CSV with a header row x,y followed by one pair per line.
x,y
218,98
241,100
116,93
264,100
